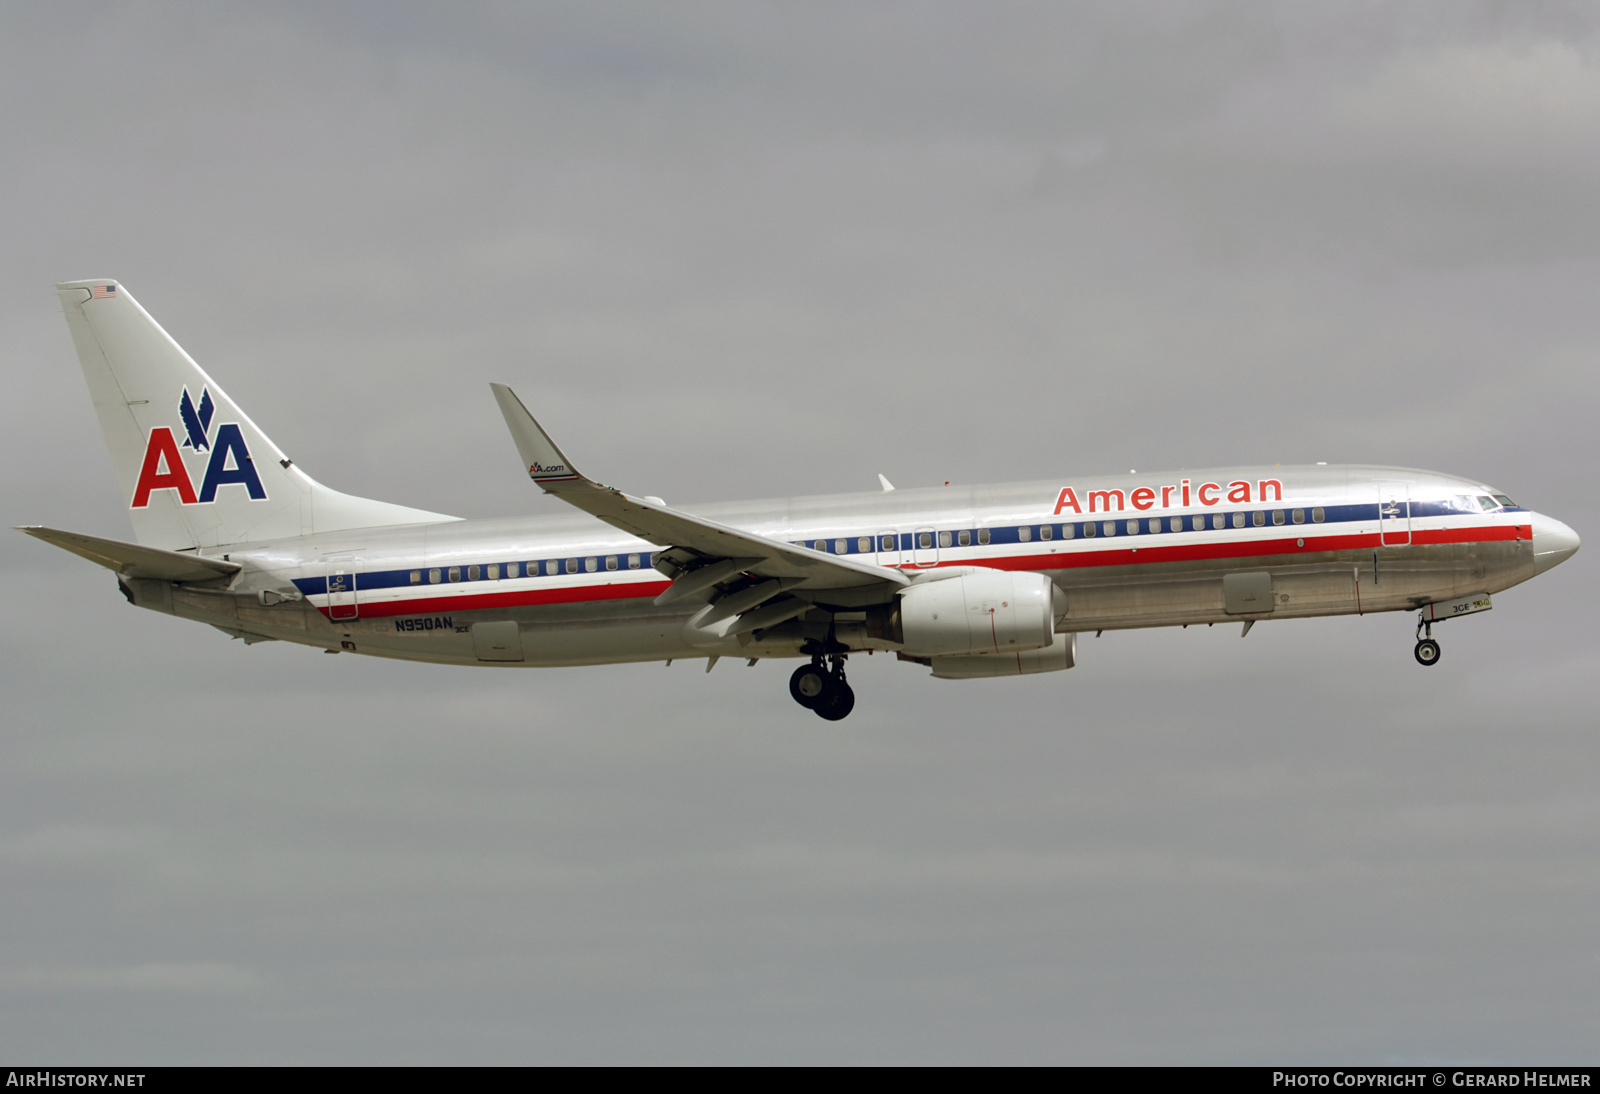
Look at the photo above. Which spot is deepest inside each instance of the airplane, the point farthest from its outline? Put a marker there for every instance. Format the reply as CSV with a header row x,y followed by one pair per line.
x,y
969,582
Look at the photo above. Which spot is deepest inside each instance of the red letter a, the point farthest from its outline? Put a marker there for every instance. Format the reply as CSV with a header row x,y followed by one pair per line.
x,y
162,451
1067,498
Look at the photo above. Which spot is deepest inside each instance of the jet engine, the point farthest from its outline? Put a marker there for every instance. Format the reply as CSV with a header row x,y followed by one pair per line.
x,y
978,611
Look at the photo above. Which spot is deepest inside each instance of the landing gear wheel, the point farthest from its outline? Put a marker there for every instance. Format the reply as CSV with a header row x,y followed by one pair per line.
x,y
1427,652
809,685
838,704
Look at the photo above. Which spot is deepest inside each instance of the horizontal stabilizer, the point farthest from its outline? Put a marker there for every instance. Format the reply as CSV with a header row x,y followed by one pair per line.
x,y
132,560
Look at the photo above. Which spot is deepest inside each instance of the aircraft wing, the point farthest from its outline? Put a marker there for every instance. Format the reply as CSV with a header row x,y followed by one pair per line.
x,y
549,467
133,560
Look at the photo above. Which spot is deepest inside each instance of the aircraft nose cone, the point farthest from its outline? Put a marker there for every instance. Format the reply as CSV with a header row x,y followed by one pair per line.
x,y
1553,542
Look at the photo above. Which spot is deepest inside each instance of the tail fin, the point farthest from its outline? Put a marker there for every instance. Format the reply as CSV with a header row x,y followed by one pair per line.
x,y
195,469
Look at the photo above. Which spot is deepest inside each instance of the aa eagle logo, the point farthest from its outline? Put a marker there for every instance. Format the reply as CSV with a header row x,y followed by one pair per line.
x,y
164,469
197,423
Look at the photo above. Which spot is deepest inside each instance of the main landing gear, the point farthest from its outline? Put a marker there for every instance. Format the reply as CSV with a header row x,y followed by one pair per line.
x,y
1427,650
823,688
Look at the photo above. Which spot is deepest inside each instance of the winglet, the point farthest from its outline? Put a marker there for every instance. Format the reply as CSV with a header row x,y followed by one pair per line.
x,y
546,464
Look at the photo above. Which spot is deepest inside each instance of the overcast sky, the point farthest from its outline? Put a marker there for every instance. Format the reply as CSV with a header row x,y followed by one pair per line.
x,y
744,250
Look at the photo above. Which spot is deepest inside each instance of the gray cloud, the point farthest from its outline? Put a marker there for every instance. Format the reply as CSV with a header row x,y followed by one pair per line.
x,y
746,250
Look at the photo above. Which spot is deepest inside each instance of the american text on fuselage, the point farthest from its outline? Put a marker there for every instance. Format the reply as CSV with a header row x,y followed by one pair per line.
x,y
977,581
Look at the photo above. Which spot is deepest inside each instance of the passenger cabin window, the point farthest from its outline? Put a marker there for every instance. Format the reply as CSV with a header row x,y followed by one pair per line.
x,y
1088,530
822,545
416,577
1024,534
983,536
924,540
864,544
1175,524
1317,515
611,562
944,539
433,577
591,564
472,573
1258,519
1067,530
633,562
1238,520
1109,527
1277,516
572,565
1299,516
886,543
1219,520
839,547
1198,522
964,538
1046,532
1155,524
455,573
1133,527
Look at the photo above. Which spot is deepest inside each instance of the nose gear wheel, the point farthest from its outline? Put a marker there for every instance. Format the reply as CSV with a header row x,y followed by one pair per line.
x,y
1427,650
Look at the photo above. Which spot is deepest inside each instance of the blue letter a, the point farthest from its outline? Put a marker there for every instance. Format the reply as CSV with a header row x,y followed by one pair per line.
x,y
218,473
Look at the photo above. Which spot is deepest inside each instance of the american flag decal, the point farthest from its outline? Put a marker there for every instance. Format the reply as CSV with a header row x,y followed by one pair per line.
x,y
103,292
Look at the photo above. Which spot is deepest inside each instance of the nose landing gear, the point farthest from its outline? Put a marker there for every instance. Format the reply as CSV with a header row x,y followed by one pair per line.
x,y
823,689
1427,650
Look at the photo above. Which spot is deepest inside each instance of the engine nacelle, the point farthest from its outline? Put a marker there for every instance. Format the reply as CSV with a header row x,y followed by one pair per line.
x,y
978,612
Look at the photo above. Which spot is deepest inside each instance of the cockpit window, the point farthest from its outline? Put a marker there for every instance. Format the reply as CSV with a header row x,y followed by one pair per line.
x,y
1503,500
1488,503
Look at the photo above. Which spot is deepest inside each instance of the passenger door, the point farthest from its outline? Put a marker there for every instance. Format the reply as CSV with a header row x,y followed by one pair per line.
x,y
343,602
1394,514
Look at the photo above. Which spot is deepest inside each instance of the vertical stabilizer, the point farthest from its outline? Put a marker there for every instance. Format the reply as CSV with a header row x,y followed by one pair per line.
x,y
195,470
